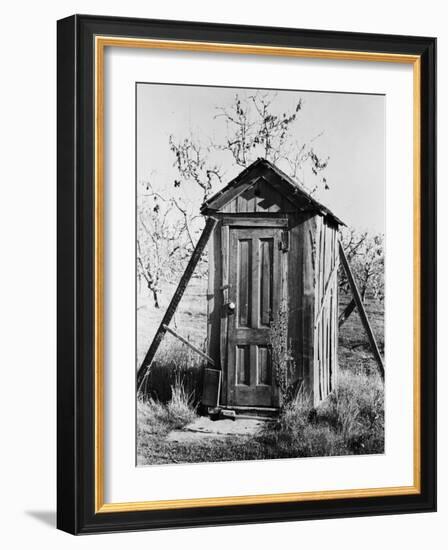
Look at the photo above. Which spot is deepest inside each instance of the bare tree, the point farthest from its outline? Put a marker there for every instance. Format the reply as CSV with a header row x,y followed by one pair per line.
x,y
253,129
163,239
365,255
193,164
168,222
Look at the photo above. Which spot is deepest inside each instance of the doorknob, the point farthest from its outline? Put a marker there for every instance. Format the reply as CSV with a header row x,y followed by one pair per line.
x,y
231,307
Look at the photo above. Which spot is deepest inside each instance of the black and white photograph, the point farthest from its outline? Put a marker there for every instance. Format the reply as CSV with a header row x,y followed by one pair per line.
x,y
220,275
260,292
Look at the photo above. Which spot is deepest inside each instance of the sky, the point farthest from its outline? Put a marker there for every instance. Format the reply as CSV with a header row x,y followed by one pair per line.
x,y
347,128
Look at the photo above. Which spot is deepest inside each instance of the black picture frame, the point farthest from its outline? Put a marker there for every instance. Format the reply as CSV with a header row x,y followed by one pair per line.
x,y
76,511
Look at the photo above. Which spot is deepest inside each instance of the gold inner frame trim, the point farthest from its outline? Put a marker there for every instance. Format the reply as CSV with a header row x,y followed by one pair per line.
x,y
101,42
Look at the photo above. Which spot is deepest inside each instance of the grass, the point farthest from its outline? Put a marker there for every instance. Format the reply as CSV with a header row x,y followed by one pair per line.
x,y
190,318
354,350
349,422
173,415
174,362
156,419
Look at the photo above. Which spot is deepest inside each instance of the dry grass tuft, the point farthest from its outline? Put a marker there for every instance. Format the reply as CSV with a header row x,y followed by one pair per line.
x,y
154,417
349,421
174,361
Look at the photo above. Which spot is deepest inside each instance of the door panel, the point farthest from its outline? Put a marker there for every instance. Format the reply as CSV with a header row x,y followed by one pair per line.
x,y
266,268
242,365
244,280
254,288
264,366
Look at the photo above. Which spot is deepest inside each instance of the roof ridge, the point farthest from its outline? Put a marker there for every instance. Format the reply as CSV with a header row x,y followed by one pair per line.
x,y
296,188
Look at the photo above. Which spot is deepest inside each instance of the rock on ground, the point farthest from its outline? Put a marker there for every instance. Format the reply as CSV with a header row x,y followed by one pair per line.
x,y
204,428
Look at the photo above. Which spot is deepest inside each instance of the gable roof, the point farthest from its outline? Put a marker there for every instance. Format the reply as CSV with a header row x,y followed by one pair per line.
x,y
282,183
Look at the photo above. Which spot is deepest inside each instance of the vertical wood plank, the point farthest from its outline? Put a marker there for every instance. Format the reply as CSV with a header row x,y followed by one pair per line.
x,y
322,262
317,286
323,358
329,351
336,312
241,204
299,291
250,202
326,297
276,275
330,340
334,333
326,359
226,382
294,294
255,279
214,296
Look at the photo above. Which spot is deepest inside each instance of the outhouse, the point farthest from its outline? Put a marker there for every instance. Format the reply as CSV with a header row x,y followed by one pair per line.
x,y
273,249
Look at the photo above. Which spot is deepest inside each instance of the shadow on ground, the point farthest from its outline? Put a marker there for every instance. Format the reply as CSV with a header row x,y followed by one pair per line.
x,y
47,517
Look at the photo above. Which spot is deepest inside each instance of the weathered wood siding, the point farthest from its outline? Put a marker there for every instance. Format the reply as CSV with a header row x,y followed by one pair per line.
x,y
260,197
325,309
309,285
214,296
301,297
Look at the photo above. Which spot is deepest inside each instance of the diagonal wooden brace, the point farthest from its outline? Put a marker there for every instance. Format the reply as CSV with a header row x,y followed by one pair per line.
x,y
197,253
362,311
190,345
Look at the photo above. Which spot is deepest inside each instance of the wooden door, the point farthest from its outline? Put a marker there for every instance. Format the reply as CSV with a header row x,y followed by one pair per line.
x,y
254,297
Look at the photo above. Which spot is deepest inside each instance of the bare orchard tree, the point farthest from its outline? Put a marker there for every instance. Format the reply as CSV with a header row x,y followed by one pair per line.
x,y
193,164
168,218
163,239
253,129
365,255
